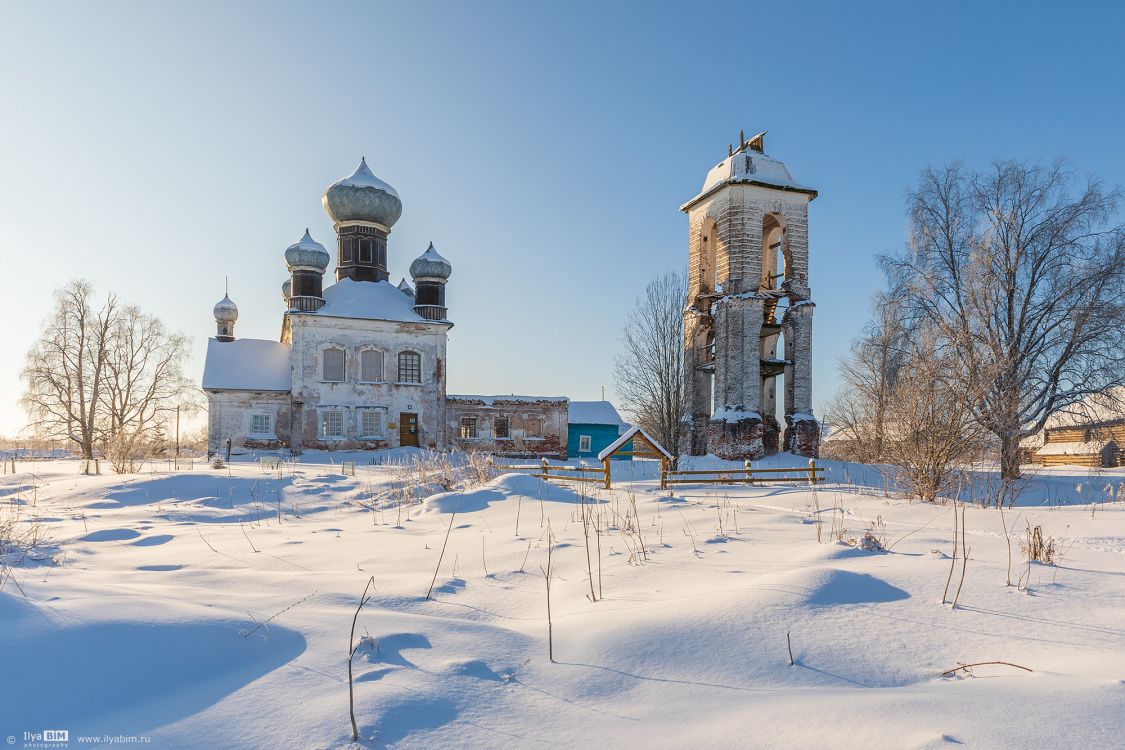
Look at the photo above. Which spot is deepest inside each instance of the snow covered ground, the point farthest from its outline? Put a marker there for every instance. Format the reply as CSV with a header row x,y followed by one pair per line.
x,y
186,611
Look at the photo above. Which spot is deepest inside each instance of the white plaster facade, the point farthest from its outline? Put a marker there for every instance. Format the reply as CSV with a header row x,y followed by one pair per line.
x,y
310,335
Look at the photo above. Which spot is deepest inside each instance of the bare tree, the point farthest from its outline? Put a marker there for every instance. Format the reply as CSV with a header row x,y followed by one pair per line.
x,y
932,433
858,413
105,378
1026,277
144,383
650,374
66,369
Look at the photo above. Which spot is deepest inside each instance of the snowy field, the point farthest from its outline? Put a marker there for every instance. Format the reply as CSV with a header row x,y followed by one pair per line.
x,y
212,608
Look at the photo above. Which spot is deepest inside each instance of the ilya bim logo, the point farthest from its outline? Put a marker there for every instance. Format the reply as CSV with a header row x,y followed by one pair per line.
x,y
45,738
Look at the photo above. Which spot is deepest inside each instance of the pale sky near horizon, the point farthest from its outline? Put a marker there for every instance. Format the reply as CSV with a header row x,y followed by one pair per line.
x,y
154,148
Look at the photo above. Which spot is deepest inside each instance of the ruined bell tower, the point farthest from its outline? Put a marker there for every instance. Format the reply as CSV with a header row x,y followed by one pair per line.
x,y
749,314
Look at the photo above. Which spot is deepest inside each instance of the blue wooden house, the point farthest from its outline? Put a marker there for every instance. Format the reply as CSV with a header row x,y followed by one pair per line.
x,y
592,426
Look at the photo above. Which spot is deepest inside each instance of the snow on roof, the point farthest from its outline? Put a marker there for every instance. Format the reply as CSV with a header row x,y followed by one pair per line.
x,y
749,167
247,365
594,412
1107,406
368,300
626,437
1088,448
433,254
491,400
363,177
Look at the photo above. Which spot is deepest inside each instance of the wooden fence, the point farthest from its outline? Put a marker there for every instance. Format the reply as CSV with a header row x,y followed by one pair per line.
x,y
545,470
746,475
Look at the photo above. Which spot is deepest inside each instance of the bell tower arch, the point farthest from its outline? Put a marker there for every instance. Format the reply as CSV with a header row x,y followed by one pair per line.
x,y
748,322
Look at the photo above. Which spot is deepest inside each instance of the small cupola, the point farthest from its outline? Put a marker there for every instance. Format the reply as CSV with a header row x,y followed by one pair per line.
x,y
405,288
226,313
430,272
307,260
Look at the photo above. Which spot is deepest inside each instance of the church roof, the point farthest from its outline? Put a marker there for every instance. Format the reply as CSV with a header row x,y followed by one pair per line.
x,y
749,167
368,300
594,412
246,365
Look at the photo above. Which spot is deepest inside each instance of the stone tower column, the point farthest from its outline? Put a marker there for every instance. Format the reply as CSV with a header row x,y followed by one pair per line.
x,y
802,432
735,429
697,381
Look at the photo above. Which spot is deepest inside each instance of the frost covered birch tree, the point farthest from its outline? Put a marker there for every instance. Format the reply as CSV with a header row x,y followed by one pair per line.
x,y
1023,271
66,369
104,377
650,373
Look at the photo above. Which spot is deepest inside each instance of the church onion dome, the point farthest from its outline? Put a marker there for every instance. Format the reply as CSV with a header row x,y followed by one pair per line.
x,y
362,197
287,289
405,288
226,311
308,253
430,265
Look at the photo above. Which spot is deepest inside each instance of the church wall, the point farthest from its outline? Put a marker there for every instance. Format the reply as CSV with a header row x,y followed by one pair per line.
x,y
229,415
535,428
311,335
737,213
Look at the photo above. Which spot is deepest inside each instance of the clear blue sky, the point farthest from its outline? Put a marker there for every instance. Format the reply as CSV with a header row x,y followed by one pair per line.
x,y
155,148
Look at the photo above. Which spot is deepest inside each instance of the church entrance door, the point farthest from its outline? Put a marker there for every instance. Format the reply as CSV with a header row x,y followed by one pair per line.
x,y
407,429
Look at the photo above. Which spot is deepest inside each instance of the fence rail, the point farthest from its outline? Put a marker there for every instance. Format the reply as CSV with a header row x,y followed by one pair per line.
x,y
546,471
746,475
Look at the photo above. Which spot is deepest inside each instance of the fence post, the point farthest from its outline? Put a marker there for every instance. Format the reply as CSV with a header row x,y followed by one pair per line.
x,y
545,475
812,471
746,466
663,473
605,469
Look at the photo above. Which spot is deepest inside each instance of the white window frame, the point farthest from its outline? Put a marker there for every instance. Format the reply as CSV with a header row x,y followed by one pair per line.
x,y
268,432
343,364
321,426
398,368
584,443
380,376
382,415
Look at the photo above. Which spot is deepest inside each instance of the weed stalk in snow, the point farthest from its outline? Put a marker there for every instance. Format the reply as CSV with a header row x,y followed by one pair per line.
x,y
953,562
429,594
352,646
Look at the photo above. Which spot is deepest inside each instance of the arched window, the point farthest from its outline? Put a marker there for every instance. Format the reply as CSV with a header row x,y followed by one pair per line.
x,y
709,255
332,369
371,366
773,253
409,367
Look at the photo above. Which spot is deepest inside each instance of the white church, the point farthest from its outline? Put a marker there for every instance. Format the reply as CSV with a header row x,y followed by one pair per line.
x,y
361,363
